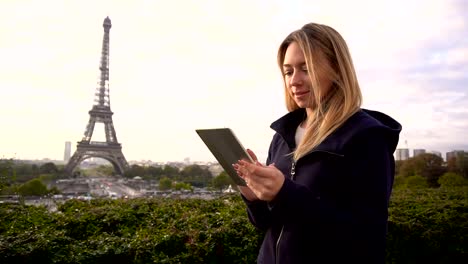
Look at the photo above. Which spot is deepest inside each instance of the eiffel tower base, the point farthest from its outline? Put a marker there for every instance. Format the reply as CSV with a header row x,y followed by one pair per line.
x,y
108,151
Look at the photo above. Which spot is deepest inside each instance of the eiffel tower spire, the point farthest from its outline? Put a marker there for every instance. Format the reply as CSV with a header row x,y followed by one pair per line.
x,y
111,149
102,91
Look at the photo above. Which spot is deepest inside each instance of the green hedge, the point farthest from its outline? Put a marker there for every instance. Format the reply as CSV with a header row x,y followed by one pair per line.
x,y
426,226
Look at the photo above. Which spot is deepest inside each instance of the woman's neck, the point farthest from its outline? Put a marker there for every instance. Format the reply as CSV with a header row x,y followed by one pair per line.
x,y
309,114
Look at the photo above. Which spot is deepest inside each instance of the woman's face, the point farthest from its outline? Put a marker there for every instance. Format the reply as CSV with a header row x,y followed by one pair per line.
x,y
297,78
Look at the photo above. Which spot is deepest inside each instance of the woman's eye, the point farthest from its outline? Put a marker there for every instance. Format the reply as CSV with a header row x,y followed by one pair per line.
x,y
305,69
287,73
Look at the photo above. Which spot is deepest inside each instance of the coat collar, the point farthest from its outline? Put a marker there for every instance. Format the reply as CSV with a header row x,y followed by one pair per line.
x,y
363,119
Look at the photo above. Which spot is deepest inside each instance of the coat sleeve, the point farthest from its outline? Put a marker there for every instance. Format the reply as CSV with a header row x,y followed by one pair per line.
x,y
260,212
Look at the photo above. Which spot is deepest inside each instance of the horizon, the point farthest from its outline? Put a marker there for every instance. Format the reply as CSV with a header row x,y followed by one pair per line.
x,y
213,64
188,160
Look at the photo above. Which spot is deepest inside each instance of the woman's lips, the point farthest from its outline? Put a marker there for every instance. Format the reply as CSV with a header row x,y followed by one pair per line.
x,y
300,93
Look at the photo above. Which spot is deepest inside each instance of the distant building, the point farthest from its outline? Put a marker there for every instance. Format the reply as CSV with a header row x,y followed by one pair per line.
x,y
437,153
402,154
67,154
417,152
454,154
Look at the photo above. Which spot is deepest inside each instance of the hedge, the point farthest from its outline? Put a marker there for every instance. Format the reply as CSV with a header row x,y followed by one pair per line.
x,y
425,226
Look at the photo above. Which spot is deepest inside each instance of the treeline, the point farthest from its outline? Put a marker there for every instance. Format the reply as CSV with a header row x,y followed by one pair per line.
x,y
186,178
19,178
425,170
194,175
24,179
430,170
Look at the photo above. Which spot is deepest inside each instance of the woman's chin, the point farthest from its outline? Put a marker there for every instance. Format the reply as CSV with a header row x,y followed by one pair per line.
x,y
304,104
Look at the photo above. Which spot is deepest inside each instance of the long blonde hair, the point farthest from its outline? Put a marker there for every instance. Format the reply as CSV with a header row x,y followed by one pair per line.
x,y
344,97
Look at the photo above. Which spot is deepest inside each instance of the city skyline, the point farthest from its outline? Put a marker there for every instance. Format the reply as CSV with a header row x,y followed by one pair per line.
x,y
213,64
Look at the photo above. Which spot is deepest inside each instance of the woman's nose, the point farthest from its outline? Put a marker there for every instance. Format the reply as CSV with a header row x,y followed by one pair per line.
x,y
297,78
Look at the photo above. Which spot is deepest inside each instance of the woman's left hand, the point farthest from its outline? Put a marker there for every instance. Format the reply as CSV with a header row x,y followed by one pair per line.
x,y
264,181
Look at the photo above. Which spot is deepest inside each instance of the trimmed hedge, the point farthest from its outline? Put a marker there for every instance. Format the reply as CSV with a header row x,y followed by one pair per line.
x,y
426,226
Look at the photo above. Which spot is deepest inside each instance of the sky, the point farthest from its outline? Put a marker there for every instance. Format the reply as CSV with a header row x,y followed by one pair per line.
x,y
176,66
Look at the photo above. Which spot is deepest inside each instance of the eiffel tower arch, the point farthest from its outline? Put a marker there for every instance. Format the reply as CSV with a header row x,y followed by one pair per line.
x,y
111,149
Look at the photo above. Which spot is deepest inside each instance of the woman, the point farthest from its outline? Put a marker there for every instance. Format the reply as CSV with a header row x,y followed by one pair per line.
x,y
323,195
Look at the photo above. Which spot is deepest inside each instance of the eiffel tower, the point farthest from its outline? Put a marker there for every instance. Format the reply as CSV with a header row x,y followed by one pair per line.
x,y
111,149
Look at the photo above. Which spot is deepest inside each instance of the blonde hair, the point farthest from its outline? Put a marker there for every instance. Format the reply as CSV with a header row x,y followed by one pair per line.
x,y
344,98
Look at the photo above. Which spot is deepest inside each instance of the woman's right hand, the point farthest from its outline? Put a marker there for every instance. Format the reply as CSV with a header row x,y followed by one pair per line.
x,y
245,190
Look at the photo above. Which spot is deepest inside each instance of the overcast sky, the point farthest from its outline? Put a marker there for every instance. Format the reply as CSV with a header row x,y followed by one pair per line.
x,y
176,66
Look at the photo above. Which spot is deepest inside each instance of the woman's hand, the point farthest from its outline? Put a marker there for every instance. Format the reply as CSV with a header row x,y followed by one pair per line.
x,y
262,181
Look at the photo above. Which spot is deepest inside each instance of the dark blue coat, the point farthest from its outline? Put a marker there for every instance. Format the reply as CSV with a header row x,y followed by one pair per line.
x,y
335,207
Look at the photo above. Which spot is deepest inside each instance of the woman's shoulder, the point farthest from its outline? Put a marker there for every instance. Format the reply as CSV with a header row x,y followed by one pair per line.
x,y
371,123
365,118
364,123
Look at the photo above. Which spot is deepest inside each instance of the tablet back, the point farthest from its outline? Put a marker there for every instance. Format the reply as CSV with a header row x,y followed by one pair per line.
x,y
226,148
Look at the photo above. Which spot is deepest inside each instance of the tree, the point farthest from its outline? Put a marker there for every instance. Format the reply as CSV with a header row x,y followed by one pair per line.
x,y
183,186
165,184
406,168
47,168
399,181
33,187
170,171
459,164
135,170
54,190
7,173
222,181
398,165
416,182
462,164
430,167
427,165
105,170
451,179
196,175
155,172
24,171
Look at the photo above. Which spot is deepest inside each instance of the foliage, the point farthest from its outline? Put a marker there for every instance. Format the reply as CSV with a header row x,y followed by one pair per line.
x,y
399,182
7,173
34,187
183,186
165,184
451,179
459,164
222,181
130,231
195,175
425,226
22,172
427,165
398,165
100,171
428,226
48,168
430,166
415,182
170,171
135,170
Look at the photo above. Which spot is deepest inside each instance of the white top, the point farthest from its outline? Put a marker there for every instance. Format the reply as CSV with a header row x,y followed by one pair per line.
x,y
300,131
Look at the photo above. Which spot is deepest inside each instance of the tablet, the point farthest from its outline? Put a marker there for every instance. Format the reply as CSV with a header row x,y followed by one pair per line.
x,y
226,148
